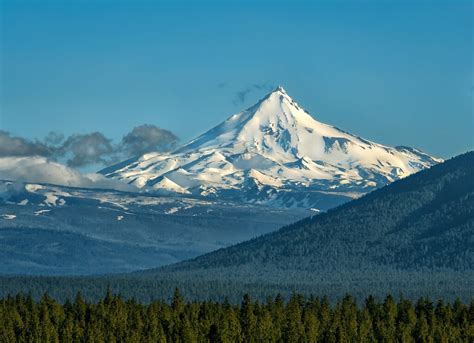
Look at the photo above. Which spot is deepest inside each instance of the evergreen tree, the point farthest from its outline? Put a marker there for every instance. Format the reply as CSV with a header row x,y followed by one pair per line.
x,y
406,321
365,331
311,325
248,321
294,329
229,325
264,328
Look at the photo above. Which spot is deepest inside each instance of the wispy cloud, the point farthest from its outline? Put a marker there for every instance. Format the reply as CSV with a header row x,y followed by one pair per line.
x,y
241,95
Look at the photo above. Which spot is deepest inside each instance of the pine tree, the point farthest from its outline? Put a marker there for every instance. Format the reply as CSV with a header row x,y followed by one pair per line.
x,y
248,321
177,303
186,331
66,330
349,317
277,309
388,334
365,331
229,325
264,328
294,329
406,321
311,325
325,315
422,330
335,331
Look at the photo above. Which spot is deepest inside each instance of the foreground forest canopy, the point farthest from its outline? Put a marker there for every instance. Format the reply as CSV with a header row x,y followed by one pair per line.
x,y
297,319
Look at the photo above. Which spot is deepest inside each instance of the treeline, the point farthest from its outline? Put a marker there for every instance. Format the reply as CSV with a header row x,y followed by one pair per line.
x,y
298,319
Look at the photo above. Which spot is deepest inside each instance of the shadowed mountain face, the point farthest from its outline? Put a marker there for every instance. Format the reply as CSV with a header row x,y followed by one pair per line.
x,y
274,153
421,226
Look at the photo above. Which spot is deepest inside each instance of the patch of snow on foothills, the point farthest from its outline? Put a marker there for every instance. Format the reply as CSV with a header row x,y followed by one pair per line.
x,y
40,212
172,210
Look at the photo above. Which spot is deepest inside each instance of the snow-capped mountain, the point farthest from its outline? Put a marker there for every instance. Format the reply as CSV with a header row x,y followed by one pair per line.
x,y
274,153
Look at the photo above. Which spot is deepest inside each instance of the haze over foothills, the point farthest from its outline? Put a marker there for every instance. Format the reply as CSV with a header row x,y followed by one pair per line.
x,y
398,73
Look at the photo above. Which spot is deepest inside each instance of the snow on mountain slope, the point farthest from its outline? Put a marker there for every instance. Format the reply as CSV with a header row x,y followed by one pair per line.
x,y
277,154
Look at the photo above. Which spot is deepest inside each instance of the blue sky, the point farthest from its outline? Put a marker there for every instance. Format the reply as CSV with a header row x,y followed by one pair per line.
x,y
396,72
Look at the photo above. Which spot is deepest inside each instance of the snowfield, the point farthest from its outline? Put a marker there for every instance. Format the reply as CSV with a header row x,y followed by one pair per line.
x,y
273,153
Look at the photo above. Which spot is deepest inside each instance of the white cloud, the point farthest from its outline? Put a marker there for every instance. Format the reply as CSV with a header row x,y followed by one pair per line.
x,y
41,170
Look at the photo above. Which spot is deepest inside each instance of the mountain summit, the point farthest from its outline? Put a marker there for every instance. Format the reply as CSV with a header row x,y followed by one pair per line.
x,y
275,153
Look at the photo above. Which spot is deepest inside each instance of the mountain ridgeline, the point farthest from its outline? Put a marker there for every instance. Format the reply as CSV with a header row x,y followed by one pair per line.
x,y
420,226
273,153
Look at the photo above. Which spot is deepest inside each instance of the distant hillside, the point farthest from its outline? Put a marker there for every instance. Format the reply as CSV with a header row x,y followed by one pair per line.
x,y
57,230
416,228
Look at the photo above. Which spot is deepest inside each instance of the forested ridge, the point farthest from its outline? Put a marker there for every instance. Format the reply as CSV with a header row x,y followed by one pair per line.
x,y
425,221
295,319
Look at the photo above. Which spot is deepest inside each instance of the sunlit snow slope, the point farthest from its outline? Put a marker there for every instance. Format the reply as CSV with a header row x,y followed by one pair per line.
x,y
274,153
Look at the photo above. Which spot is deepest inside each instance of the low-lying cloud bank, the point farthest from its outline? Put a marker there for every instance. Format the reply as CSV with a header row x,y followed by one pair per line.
x,y
40,161
37,169
80,150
